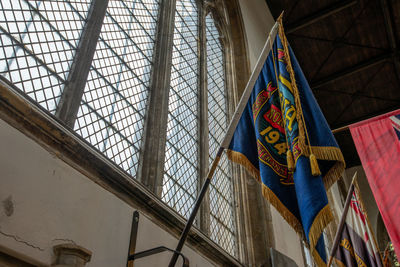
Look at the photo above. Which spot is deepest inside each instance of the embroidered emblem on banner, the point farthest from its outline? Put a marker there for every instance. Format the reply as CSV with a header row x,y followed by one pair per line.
x,y
271,140
262,98
281,56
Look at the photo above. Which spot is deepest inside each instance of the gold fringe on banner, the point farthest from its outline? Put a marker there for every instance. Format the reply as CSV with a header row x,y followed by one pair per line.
x,y
241,159
323,218
285,213
320,221
333,174
334,154
317,258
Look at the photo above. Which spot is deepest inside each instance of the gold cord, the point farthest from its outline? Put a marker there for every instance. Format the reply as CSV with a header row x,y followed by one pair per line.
x,y
300,117
289,155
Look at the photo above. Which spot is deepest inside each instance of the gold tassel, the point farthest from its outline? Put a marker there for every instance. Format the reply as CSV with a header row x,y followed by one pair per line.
x,y
315,171
290,160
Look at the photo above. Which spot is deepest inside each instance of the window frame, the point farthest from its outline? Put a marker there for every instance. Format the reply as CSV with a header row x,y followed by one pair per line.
x,y
216,13
194,137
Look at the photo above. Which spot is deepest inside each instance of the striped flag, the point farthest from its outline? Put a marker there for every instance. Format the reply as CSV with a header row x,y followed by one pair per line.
x,y
396,124
357,246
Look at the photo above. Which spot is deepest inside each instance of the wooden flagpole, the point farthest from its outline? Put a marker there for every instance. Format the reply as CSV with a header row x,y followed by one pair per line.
x,y
228,136
347,127
342,220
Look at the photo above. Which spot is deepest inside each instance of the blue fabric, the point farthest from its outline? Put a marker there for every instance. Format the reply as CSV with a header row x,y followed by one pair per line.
x,y
268,120
397,126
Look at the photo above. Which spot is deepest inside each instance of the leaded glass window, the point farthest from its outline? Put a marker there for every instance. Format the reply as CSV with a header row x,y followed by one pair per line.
x,y
38,40
181,156
222,222
111,115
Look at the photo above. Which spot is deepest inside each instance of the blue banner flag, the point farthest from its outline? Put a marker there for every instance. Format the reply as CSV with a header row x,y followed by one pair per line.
x,y
283,139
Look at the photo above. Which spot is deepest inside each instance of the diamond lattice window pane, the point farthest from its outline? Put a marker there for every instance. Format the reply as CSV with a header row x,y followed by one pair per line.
x,y
181,157
221,189
111,115
38,40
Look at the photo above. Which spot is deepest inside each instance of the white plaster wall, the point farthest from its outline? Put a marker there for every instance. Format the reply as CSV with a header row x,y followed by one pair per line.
x,y
337,204
258,22
150,236
53,203
286,240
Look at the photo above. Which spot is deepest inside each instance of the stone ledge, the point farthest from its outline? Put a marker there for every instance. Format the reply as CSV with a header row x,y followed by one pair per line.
x,y
39,125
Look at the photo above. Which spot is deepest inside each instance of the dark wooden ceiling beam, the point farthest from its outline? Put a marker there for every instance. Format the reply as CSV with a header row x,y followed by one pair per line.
x,y
360,94
351,70
345,125
354,96
336,41
391,36
317,16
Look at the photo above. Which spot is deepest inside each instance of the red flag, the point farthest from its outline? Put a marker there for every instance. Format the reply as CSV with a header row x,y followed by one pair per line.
x,y
379,149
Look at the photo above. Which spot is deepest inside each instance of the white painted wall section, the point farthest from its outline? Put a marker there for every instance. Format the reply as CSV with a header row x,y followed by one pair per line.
x,y
52,203
258,22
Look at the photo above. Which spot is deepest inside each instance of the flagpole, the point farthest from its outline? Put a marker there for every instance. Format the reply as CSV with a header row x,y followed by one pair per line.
x,y
228,136
377,117
342,220
367,218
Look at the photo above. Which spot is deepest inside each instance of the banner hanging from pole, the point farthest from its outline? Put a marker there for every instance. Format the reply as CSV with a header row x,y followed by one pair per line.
x,y
356,245
225,142
378,145
284,141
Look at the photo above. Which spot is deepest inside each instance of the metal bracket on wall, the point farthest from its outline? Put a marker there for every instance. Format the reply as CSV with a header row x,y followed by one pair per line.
x,y
132,246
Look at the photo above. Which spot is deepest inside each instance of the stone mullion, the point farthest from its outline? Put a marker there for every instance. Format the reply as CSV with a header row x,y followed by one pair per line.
x,y
152,156
71,97
204,216
230,96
